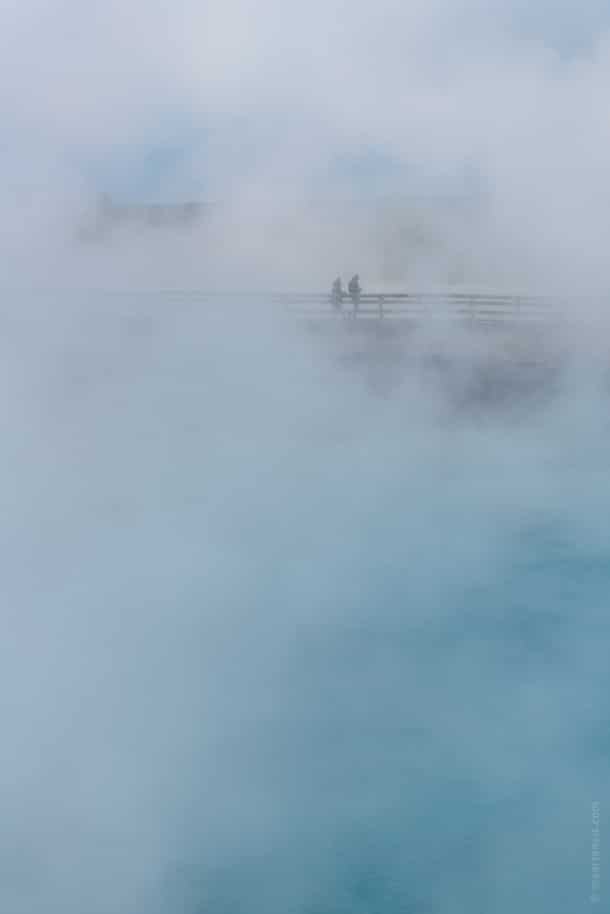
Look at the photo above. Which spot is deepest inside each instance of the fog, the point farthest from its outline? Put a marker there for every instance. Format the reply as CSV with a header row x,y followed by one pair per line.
x,y
292,621
264,109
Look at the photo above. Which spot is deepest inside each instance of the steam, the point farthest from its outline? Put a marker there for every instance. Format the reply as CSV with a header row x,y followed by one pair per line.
x,y
298,623
263,110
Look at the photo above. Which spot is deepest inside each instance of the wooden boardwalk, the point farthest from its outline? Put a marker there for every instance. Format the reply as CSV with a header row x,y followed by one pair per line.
x,y
395,309
424,306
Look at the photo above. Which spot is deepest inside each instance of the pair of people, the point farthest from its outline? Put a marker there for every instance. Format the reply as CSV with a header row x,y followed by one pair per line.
x,y
353,288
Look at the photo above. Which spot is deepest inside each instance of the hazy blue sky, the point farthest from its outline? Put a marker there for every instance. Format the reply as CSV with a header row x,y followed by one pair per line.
x,y
241,102
198,99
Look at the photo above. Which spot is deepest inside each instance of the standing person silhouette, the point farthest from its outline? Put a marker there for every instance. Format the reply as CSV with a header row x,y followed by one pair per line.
x,y
354,290
337,294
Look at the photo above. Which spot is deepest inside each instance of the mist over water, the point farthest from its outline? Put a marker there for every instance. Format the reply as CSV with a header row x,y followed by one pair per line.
x,y
273,641
293,622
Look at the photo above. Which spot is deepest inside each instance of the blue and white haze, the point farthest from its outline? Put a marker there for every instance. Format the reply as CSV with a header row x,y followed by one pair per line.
x,y
272,642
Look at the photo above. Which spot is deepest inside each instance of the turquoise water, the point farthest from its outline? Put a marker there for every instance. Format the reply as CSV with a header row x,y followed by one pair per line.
x,y
274,643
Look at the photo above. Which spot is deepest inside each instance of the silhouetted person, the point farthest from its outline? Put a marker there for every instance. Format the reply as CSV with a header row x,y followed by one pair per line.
x,y
337,294
354,290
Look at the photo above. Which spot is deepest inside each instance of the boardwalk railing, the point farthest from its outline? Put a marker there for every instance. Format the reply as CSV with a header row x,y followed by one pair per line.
x,y
404,307
416,306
